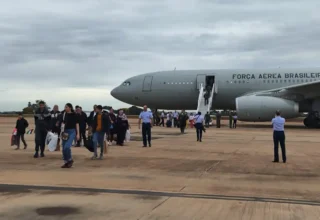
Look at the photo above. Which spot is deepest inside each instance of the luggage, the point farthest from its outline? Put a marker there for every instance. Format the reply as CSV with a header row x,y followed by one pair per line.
x,y
128,136
89,144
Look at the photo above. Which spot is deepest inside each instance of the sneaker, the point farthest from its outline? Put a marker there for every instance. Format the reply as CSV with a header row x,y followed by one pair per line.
x,y
94,157
25,147
109,143
36,155
18,148
70,163
101,157
41,154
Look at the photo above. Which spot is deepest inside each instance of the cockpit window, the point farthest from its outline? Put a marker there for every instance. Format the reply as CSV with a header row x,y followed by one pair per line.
x,y
126,83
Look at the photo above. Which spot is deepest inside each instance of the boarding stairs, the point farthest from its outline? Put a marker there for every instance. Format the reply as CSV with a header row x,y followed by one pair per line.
x,y
201,100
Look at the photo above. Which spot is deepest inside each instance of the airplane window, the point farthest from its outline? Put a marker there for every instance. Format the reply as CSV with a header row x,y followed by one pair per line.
x,y
164,82
227,81
276,81
231,82
126,83
280,80
243,81
302,80
272,81
264,81
183,83
285,80
293,80
268,81
191,83
289,80
187,82
298,80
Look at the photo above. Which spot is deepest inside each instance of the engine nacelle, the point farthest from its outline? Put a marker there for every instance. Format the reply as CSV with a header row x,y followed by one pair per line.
x,y
263,108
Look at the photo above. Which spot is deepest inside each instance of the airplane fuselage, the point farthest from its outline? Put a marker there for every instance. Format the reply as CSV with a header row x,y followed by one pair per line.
x,y
179,89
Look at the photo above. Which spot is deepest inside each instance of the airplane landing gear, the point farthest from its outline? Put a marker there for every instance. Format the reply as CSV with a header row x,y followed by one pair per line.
x,y
312,120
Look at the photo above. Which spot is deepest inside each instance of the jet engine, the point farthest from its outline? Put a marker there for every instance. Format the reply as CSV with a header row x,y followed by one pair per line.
x,y
263,108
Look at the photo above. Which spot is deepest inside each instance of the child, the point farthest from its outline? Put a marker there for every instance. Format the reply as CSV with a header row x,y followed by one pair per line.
x,y
21,126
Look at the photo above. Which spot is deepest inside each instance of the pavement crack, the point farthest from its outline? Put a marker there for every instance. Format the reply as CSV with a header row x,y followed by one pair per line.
x,y
157,206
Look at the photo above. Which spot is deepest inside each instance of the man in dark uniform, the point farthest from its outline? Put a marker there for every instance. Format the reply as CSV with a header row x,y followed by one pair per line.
x,y
218,119
42,118
206,97
279,136
183,117
82,125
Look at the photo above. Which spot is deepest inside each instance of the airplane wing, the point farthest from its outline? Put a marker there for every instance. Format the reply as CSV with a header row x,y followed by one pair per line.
x,y
298,92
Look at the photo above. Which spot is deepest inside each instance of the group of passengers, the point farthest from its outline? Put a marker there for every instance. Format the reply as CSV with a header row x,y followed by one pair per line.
x,y
72,125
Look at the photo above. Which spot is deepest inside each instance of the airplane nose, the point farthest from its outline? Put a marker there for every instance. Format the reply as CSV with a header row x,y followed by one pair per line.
x,y
114,92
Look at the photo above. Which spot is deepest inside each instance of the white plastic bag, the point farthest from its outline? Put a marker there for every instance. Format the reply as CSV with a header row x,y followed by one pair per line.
x,y
128,136
48,138
53,142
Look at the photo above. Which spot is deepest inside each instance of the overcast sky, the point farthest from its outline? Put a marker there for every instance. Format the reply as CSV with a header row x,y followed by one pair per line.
x,y
78,50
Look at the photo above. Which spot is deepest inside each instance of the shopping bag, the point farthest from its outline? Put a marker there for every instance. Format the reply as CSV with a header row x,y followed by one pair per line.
x,y
48,138
14,137
13,140
128,136
89,144
53,142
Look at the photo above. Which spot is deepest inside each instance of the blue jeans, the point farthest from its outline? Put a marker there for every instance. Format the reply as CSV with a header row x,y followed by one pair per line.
x,y
66,145
98,138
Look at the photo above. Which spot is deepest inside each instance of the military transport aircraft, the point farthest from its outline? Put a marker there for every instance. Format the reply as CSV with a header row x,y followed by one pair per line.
x,y
254,93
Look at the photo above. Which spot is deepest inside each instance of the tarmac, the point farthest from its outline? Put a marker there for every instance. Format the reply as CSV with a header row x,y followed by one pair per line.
x,y
228,176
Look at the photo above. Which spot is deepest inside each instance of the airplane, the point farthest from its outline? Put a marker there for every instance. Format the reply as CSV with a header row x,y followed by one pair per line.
x,y
255,94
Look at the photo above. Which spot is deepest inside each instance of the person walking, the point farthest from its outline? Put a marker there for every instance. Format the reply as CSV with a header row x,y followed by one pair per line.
x,y
183,117
100,125
207,119
83,125
21,126
235,119
279,137
146,118
199,125
70,130
122,127
54,123
191,120
42,118
230,119
162,119
112,127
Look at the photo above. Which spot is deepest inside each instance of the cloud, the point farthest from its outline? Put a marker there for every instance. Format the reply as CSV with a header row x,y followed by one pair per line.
x,y
62,51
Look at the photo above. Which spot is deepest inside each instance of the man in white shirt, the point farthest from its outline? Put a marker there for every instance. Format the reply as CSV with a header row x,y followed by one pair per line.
x,y
279,136
199,125
175,118
146,118
162,119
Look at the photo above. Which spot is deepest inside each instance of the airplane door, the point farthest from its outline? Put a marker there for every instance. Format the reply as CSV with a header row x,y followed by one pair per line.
x,y
201,79
147,83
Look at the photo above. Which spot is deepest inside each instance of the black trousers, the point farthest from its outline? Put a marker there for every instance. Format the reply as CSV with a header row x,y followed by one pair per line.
x,y
207,123
279,137
146,131
175,121
121,135
111,134
20,136
182,127
41,140
162,122
218,123
82,136
234,123
199,128
206,101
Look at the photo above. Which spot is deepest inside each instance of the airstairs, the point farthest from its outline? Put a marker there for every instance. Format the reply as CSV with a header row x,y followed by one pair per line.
x,y
201,100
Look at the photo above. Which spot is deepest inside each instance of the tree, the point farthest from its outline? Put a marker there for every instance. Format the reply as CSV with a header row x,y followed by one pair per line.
x,y
27,110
